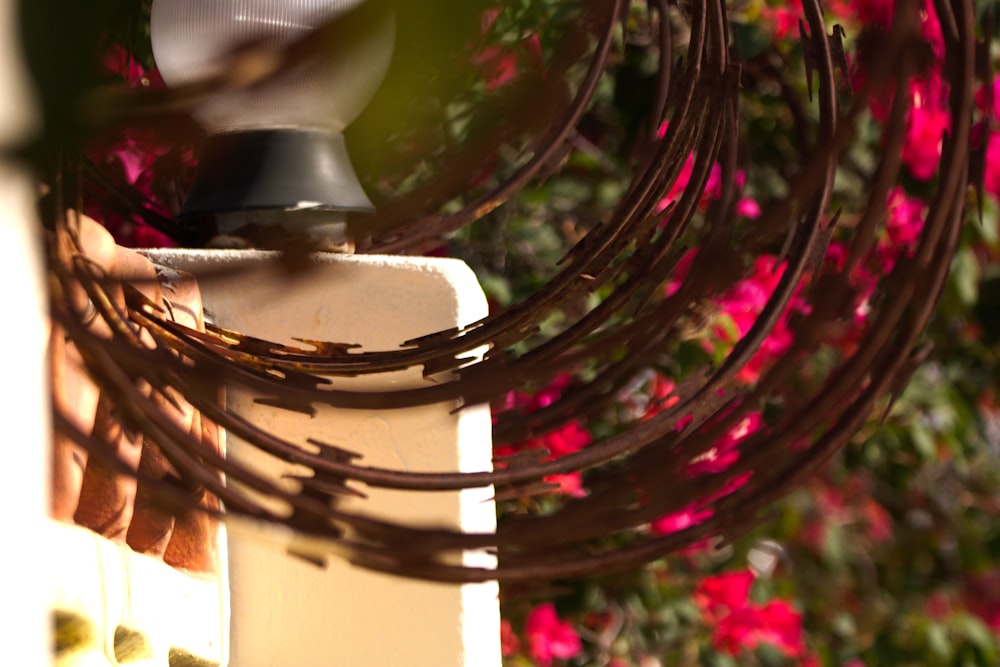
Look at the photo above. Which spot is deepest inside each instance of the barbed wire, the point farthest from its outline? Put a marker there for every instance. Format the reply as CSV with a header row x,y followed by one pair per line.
x,y
638,473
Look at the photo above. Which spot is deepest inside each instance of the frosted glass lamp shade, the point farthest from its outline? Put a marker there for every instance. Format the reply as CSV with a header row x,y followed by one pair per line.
x,y
192,39
274,150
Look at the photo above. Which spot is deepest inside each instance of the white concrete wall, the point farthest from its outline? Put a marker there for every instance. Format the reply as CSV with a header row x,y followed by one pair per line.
x,y
286,612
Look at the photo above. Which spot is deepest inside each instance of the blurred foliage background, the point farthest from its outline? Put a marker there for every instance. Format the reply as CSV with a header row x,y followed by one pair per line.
x,y
890,556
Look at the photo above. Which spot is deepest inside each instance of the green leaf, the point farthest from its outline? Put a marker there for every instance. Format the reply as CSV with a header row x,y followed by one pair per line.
x,y
749,39
923,442
938,642
973,630
965,274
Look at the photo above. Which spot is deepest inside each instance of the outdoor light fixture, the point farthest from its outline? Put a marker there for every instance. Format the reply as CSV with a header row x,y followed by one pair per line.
x,y
275,154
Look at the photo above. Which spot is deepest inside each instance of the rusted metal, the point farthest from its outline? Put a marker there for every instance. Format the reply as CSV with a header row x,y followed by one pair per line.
x,y
638,474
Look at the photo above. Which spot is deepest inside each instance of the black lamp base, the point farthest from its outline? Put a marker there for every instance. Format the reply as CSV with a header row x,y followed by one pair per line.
x,y
291,178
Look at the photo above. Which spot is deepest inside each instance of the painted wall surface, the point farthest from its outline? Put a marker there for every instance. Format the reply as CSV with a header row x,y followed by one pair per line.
x,y
286,611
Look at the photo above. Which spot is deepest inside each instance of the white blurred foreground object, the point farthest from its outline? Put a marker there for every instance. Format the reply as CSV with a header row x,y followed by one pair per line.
x,y
24,403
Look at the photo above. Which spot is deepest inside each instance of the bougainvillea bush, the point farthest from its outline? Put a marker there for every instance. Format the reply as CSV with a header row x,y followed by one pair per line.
x,y
890,555
887,557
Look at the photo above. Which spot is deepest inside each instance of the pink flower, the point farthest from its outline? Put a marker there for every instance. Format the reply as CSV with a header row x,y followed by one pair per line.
x,y
681,272
784,19
724,454
879,522
745,300
992,176
740,307
136,152
780,625
930,29
904,223
550,394
878,12
928,116
880,99
136,157
864,282
988,98
119,61
683,422
928,119
776,624
748,208
488,18
982,597
566,439
678,186
498,65
568,484
697,512
745,206
840,10
549,637
851,506
906,218
569,438
924,135
938,606
718,595
509,643
662,396
713,188
716,460
681,520
740,624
